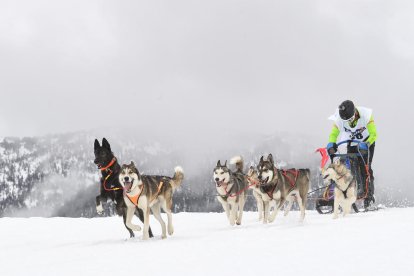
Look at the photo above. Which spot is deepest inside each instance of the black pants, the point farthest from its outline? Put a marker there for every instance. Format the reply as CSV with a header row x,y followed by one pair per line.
x,y
354,149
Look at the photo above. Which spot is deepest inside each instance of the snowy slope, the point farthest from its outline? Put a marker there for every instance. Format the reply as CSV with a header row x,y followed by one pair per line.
x,y
378,243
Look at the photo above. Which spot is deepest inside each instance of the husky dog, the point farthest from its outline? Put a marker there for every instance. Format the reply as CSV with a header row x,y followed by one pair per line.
x,y
254,183
281,186
345,191
149,193
231,188
110,186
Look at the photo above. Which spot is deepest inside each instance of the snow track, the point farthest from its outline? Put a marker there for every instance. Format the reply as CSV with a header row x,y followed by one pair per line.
x,y
376,243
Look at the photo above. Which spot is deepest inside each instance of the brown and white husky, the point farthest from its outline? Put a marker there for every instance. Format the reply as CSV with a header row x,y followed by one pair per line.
x,y
281,186
149,192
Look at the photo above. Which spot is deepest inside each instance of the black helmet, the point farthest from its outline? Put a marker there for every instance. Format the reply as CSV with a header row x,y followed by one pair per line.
x,y
347,110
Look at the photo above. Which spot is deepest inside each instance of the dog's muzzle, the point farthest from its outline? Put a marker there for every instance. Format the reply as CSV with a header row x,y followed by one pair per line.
x,y
98,164
128,186
264,181
326,176
220,183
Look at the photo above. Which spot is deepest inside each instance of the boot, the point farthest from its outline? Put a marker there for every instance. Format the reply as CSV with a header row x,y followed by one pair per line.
x,y
369,204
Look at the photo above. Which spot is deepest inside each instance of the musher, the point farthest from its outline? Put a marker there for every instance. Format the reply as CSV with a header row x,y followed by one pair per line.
x,y
355,123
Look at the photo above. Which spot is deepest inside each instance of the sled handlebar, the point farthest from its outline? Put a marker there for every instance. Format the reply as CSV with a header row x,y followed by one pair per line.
x,y
325,155
350,141
352,155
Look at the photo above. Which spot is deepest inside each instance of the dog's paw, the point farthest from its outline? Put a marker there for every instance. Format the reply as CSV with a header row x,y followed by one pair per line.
x,y
99,209
335,216
270,220
136,228
170,230
163,237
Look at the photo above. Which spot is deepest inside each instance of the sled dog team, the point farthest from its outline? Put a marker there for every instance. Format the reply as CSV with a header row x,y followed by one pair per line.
x,y
135,193
271,187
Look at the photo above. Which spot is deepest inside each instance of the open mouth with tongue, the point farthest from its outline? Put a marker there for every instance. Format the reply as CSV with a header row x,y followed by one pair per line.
x,y
264,181
128,186
220,183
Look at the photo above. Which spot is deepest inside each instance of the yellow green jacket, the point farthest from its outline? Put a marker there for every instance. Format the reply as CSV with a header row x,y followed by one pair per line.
x,y
363,129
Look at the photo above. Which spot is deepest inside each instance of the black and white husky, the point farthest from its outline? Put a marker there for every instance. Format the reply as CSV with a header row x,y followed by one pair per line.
x,y
149,192
282,186
345,191
231,188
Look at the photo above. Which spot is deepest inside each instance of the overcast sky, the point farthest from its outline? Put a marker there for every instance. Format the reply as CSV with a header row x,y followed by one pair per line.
x,y
204,66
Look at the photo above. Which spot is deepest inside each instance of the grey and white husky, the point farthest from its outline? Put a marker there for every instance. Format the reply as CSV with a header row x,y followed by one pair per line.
x,y
231,188
345,191
149,192
281,186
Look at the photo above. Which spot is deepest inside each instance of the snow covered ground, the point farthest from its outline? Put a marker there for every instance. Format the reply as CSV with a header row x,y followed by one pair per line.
x,y
375,243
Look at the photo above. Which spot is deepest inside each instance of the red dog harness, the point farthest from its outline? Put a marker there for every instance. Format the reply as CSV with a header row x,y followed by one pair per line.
x,y
295,173
292,182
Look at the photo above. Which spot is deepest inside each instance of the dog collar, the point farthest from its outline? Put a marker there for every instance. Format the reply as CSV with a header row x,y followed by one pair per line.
x,y
109,165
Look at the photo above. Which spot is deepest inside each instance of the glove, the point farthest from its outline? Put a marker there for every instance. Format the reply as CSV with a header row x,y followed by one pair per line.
x,y
332,148
363,146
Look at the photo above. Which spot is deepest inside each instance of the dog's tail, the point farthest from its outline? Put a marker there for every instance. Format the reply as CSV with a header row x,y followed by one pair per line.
x,y
306,173
178,177
238,161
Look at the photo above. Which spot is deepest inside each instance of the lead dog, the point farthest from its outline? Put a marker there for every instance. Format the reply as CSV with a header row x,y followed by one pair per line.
x,y
149,193
345,192
231,188
109,184
281,186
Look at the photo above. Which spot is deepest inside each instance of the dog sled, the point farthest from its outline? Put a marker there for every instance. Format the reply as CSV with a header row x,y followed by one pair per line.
x,y
325,201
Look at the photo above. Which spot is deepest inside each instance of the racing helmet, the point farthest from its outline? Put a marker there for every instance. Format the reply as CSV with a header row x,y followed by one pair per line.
x,y
347,110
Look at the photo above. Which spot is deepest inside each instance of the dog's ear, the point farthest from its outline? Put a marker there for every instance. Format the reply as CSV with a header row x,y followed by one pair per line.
x,y
251,167
218,164
225,164
261,159
105,144
270,158
132,164
96,145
